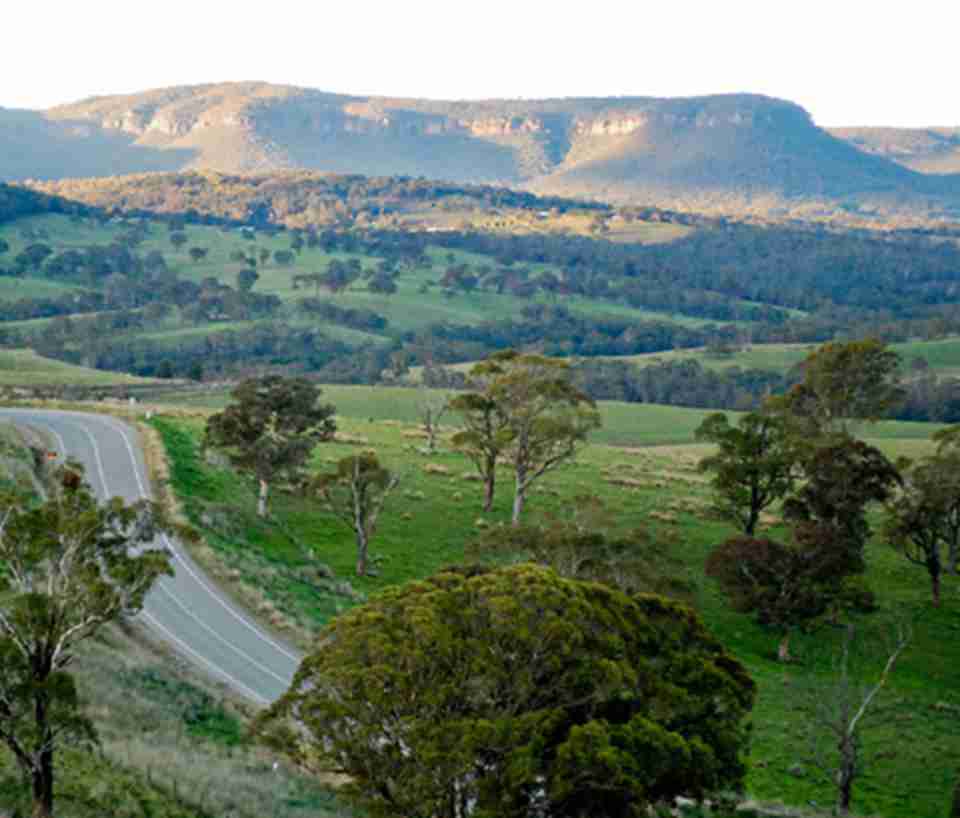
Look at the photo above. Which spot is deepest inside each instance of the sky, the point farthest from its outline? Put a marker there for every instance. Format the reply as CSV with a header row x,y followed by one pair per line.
x,y
848,62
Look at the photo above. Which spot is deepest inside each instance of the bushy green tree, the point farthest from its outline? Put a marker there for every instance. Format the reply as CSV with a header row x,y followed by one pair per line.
x,y
528,411
515,692
270,429
70,565
923,520
844,383
841,477
754,467
786,585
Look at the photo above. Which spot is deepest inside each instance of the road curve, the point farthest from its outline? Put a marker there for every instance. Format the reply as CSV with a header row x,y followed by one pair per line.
x,y
187,611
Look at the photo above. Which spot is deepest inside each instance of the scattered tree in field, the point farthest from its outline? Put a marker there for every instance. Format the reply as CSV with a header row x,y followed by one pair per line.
x,y
382,284
246,279
527,410
284,257
270,429
355,493
178,239
71,565
264,256
755,466
948,459
483,439
238,256
840,479
515,692
836,713
431,407
923,521
197,254
845,382
787,586
4,246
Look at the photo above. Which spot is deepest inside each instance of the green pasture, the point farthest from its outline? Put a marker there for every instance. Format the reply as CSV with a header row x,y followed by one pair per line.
x,y
417,302
648,479
942,356
23,367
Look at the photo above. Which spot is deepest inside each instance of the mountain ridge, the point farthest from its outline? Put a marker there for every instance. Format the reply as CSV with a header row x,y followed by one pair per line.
x,y
725,150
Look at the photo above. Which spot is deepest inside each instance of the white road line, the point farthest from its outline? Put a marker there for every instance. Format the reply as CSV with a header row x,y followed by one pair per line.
x,y
202,659
106,490
161,586
176,552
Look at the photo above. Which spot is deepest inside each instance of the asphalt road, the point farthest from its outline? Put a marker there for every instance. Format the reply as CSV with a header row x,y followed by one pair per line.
x,y
186,610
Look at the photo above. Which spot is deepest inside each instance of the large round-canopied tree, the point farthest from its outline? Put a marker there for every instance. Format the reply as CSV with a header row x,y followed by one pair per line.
x,y
271,427
515,692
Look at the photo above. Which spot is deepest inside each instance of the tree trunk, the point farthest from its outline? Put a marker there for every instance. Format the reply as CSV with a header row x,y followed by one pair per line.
x,y
935,583
752,520
361,553
489,484
262,499
783,651
846,773
43,786
518,500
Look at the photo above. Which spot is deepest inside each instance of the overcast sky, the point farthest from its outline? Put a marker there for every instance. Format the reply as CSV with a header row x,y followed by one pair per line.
x,y
848,62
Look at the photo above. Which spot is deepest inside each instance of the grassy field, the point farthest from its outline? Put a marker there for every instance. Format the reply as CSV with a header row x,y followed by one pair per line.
x,y
409,308
13,289
436,510
624,424
23,367
942,356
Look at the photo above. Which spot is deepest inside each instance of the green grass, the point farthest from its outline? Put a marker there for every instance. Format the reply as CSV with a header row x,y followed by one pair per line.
x,y
430,518
13,289
23,367
170,746
942,356
407,309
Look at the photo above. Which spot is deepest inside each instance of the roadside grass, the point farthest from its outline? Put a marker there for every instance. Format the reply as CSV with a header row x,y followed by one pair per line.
x,y
171,744
435,511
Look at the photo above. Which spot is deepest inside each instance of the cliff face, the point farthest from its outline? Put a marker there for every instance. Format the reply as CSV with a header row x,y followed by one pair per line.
x,y
638,148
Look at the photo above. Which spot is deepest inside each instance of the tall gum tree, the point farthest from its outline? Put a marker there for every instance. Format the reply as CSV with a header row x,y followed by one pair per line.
x,y
535,417
71,565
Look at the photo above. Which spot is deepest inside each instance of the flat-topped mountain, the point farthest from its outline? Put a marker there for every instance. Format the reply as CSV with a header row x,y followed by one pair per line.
x,y
731,150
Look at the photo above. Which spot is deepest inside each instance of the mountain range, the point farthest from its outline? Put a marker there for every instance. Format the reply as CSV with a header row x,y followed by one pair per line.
x,y
729,152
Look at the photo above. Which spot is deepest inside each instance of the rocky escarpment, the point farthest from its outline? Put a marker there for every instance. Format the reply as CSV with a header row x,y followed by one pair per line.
x,y
732,148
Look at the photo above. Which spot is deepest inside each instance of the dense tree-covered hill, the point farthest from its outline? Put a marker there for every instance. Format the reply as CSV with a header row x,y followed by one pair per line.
x,y
732,153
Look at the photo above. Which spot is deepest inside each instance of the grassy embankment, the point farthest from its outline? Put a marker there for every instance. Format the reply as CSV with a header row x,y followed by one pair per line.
x,y
171,745
432,515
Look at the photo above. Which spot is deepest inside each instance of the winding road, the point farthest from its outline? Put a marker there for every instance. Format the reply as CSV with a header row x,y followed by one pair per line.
x,y
187,611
